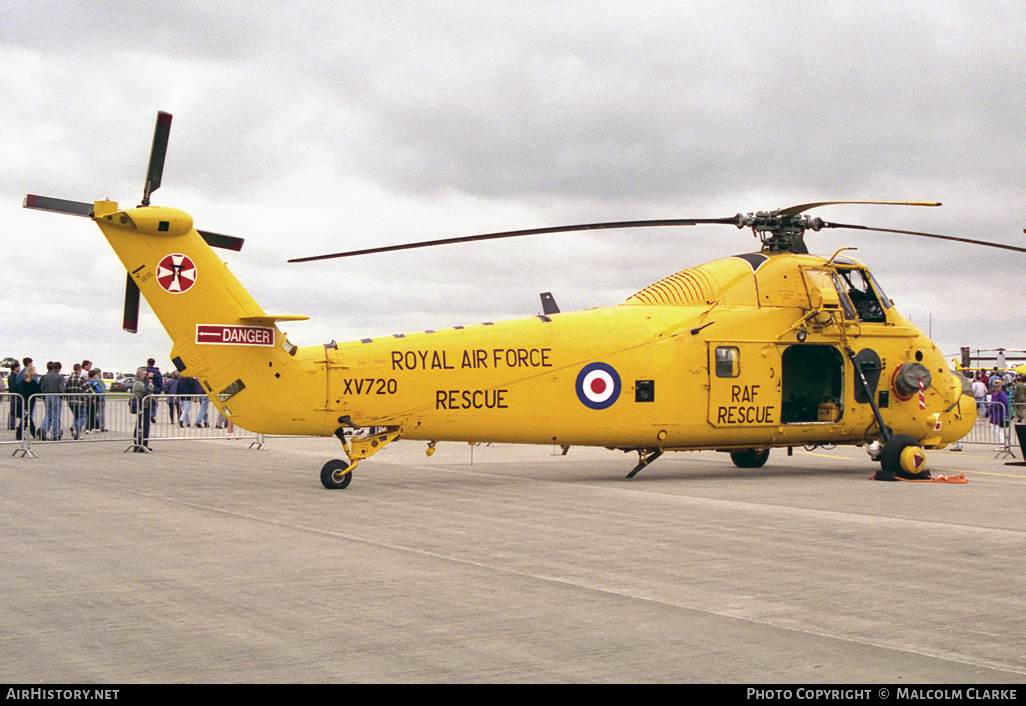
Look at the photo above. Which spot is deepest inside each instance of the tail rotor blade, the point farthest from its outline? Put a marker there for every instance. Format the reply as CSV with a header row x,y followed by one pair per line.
x,y
217,240
156,169
48,203
131,318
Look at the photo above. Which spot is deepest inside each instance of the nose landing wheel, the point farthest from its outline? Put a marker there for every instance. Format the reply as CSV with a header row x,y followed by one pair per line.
x,y
902,457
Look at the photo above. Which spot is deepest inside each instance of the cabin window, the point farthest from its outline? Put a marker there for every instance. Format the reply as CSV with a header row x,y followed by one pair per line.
x,y
728,362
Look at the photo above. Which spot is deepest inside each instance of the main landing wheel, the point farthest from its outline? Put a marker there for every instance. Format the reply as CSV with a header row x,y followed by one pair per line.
x,y
334,475
902,457
750,458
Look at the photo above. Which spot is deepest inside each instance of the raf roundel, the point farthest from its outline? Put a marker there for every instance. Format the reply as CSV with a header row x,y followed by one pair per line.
x,y
598,385
176,273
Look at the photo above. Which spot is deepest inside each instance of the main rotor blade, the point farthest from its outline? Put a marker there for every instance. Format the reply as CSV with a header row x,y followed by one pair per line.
x,y
971,241
516,233
800,208
161,133
130,322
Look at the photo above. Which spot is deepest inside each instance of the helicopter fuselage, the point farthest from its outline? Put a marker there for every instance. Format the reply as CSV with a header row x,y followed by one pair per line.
x,y
745,352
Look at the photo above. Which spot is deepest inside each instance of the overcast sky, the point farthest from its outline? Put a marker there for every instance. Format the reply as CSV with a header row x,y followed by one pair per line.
x,y
322,126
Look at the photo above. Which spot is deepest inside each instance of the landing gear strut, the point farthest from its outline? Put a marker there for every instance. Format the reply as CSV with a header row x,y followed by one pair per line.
x,y
645,458
337,474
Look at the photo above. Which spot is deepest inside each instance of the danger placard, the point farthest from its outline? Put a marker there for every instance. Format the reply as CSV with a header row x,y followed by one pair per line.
x,y
221,335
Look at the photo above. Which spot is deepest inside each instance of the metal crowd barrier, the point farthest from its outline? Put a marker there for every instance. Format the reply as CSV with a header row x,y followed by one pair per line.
x,y
11,413
1000,436
47,419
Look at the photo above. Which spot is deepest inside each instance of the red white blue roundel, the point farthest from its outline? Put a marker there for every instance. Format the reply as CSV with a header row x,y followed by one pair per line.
x,y
176,273
598,385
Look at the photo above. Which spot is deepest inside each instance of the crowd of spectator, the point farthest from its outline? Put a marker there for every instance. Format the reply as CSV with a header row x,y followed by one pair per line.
x,y
84,392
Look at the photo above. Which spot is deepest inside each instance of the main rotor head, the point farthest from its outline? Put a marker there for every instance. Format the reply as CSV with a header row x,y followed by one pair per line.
x,y
778,232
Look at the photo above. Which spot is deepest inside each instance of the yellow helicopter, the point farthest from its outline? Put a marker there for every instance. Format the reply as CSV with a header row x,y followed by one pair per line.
x,y
773,349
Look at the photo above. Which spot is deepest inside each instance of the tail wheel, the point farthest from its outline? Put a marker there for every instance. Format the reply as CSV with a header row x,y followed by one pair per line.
x,y
902,457
336,475
750,458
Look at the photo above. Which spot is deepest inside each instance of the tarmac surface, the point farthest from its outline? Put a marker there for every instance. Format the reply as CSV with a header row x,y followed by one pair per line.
x,y
210,562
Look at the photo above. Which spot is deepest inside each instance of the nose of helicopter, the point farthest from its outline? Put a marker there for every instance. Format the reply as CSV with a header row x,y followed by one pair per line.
x,y
959,419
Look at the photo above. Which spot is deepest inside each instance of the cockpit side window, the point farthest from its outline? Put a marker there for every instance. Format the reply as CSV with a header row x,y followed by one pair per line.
x,y
826,291
863,295
884,301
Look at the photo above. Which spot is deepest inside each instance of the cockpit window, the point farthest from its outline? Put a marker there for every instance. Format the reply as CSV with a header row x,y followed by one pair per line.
x,y
863,295
884,301
846,303
826,291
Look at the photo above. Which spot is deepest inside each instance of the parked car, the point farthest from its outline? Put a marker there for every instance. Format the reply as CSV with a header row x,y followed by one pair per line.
x,y
122,385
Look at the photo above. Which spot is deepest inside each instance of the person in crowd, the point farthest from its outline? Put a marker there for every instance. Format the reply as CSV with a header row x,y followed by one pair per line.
x,y
203,402
999,411
186,389
7,397
25,362
142,388
14,414
77,390
1019,398
52,385
93,402
29,392
158,384
174,405
979,392
101,406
